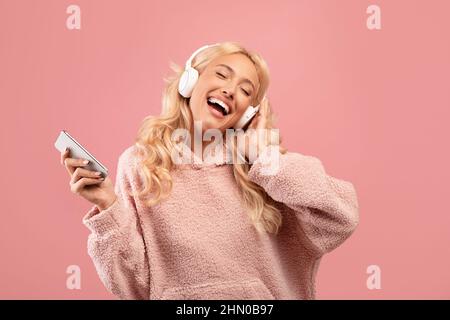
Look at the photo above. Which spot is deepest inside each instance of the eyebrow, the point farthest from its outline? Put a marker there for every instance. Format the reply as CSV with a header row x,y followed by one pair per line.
x,y
232,71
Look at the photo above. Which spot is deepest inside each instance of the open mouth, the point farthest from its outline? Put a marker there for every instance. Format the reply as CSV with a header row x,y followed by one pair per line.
x,y
219,105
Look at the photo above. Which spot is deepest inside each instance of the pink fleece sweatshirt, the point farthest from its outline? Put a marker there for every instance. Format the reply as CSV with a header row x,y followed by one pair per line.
x,y
200,242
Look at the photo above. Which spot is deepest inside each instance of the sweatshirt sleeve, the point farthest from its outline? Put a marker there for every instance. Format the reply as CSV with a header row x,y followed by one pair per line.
x,y
326,208
116,244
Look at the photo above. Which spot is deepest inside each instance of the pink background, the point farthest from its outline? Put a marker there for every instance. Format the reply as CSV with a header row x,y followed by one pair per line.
x,y
372,105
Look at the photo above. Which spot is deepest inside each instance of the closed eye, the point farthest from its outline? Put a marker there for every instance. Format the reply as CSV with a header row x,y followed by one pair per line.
x,y
246,92
220,75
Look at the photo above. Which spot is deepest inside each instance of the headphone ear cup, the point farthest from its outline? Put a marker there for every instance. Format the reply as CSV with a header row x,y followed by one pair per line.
x,y
187,82
246,117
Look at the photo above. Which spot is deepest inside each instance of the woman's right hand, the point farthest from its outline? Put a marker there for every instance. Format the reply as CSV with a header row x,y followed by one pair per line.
x,y
87,183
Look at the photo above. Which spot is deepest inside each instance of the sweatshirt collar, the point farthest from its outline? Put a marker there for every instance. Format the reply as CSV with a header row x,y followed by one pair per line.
x,y
191,159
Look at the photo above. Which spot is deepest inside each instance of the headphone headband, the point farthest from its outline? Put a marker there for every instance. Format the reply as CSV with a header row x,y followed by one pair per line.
x,y
189,61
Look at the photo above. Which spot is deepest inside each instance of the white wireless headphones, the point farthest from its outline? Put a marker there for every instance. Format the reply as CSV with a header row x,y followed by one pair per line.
x,y
189,79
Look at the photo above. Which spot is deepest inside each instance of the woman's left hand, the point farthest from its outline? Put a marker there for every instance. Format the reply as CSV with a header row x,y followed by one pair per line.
x,y
261,136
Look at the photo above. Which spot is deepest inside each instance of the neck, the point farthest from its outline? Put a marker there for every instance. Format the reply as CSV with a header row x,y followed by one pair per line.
x,y
197,134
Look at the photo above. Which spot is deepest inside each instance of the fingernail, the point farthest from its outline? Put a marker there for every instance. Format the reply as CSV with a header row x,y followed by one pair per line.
x,y
98,173
86,161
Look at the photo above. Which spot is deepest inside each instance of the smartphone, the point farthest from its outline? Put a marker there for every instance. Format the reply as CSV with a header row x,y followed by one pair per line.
x,y
77,151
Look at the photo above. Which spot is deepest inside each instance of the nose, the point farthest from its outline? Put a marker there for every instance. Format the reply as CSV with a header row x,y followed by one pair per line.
x,y
228,93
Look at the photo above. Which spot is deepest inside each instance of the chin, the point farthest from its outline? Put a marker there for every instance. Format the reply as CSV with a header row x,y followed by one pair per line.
x,y
212,125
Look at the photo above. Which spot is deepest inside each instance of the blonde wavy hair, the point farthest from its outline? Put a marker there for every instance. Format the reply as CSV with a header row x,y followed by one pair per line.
x,y
155,144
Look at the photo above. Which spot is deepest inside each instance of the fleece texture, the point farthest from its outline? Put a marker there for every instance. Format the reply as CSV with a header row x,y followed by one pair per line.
x,y
200,243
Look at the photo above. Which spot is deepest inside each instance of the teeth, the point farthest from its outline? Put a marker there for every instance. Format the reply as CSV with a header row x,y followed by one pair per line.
x,y
220,103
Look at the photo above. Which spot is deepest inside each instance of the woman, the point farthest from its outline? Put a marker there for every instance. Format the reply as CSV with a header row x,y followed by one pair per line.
x,y
213,230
